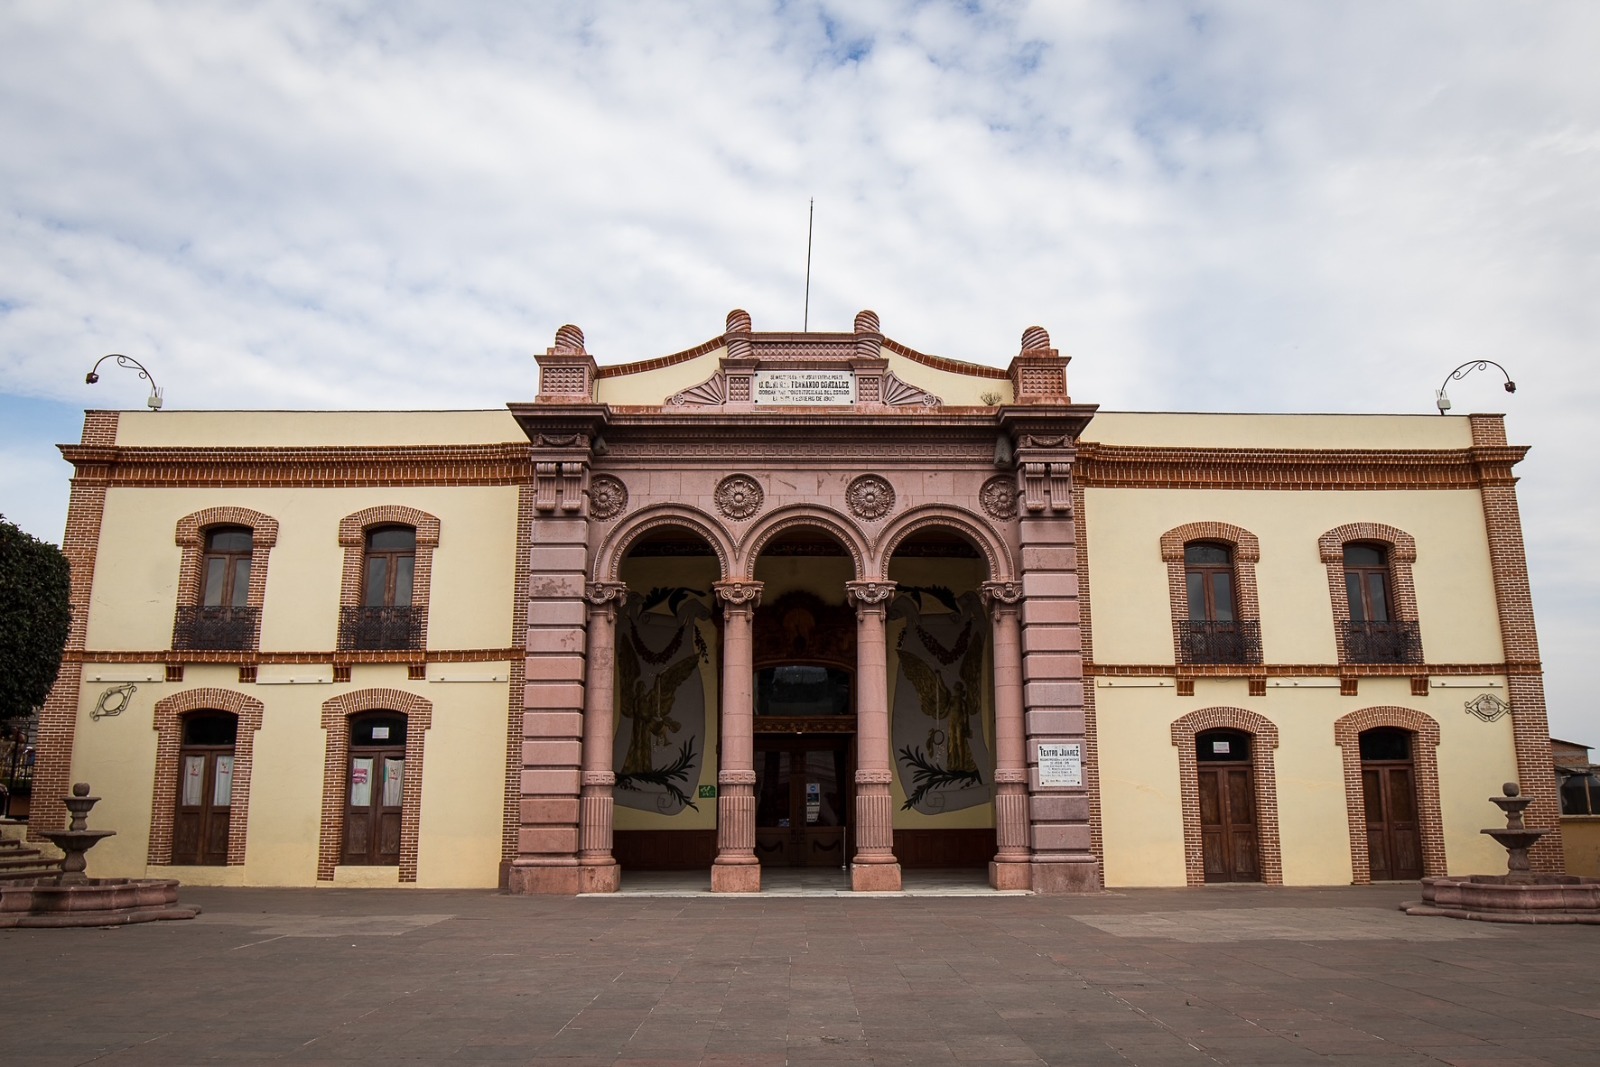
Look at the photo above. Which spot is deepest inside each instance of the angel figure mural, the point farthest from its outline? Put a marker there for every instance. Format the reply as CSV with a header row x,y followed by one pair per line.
x,y
662,700
942,754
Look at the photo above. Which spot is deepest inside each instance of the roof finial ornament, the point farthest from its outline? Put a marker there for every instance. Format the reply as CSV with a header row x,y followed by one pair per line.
x,y
738,321
1035,339
569,339
867,322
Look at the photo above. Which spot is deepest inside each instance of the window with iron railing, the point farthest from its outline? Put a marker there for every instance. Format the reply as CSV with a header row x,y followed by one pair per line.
x,y
1390,641
386,619
1209,641
223,618
1213,632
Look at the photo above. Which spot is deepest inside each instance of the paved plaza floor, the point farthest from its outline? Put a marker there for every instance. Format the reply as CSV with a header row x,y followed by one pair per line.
x,y
666,974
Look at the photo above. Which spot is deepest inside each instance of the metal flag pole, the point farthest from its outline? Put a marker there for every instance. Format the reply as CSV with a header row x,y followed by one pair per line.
x,y
811,214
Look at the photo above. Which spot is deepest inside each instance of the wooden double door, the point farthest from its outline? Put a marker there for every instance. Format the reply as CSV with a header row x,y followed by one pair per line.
x,y
803,800
1229,841
1394,843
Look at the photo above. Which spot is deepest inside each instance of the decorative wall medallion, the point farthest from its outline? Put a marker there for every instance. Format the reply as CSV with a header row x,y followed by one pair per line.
x,y
869,496
607,497
1487,707
739,496
113,701
999,498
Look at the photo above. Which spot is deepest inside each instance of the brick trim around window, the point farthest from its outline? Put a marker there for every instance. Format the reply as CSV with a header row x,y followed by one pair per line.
x,y
1347,733
1264,777
1246,554
353,537
336,714
1402,554
168,724
190,536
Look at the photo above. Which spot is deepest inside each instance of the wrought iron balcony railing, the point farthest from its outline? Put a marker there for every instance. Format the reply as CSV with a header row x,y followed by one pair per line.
x,y
1382,642
376,629
212,627
1238,641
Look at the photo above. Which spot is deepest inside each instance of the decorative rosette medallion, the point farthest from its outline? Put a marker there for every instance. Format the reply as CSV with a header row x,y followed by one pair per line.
x,y
999,497
607,497
739,496
869,496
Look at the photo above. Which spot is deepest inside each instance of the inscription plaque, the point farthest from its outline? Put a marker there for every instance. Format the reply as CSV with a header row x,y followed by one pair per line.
x,y
804,387
1061,764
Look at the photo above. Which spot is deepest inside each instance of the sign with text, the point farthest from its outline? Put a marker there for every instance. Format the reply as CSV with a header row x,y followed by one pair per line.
x,y
804,387
1061,764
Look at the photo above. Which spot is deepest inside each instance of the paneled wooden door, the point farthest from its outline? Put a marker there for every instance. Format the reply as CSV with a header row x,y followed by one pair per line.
x,y
1229,842
1394,844
372,817
802,801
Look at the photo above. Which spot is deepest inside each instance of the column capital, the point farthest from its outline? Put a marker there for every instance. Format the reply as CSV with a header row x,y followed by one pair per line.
x,y
738,594
607,596
871,595
1002,596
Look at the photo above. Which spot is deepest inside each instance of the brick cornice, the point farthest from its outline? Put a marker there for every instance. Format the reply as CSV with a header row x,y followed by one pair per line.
x,y
1140,467
333,466
245,657
1303,670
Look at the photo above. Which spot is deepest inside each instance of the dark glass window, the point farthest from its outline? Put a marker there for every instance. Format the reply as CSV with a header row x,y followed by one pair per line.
x,y
1222,746
1209,569
1366,580
802,690
225,568
1386,743
390,563
381,728
1580,794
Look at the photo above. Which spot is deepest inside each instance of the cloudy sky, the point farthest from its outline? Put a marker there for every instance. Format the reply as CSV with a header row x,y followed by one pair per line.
x,y
1234,206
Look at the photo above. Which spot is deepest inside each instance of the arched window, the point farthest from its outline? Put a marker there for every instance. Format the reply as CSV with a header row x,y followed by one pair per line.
x,y
387,617
1373,633
377,769
223,618
1389,798
1213,632
205,788
1230,844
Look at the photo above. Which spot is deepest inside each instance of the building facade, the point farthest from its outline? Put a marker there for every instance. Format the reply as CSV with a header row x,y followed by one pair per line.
x,y
791,600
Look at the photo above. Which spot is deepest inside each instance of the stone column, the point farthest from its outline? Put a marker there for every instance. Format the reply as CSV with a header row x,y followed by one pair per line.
x,y
736,869
598,870
1010,867
874,868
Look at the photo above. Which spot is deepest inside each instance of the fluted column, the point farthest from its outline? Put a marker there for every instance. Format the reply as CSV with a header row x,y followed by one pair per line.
x,y
874,868
736,869
1009,869
599,871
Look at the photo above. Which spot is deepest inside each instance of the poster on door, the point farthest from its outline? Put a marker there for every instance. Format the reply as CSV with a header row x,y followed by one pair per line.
x,y
361,782
660,740
941,753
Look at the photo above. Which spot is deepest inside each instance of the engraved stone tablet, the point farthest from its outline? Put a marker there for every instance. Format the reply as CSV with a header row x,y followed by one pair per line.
x,y
808,387
1061,764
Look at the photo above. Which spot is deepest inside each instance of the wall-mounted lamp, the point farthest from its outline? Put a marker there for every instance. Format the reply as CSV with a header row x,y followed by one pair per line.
x,y
1462,371
153,401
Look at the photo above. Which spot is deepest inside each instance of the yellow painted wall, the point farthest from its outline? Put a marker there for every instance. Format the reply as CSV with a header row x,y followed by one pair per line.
x,y
136,573
309,429
462,795
654,387
1454,582
1580,836
953,389
1166,429
1140,790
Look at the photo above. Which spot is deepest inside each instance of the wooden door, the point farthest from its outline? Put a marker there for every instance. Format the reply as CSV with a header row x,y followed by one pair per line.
x,y
802,802
1394,842
205,803
372,816
1229,843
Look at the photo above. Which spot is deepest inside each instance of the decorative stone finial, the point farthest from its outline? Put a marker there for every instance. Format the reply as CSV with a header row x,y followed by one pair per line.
x,y
80,789
738,321
867,322
1511,789
570,338
1035,339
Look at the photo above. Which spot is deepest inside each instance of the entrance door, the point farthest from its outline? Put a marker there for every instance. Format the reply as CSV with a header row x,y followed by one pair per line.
x,y
377,783
1229,844
1389,794
205,789
802,801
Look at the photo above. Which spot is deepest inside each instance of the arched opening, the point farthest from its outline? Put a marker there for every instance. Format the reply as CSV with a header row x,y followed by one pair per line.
x,y
941,699
665,725
1389,799
377,769
201,820
804,721
1229,837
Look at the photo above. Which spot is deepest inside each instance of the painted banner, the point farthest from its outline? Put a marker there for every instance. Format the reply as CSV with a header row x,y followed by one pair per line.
x,y
661,739
940,751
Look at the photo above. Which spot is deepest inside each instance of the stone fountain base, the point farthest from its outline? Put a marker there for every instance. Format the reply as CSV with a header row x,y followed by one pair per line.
x,y
1499,898
94,902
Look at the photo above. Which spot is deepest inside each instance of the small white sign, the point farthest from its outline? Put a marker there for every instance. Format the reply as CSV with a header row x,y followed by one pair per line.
x,y
1061,764
1221,748
804,387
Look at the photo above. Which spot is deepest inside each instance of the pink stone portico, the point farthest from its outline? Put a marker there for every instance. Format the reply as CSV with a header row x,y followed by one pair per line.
x,y
721,463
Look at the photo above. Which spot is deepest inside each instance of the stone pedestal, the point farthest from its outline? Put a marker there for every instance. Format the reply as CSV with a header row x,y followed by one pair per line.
x,y
1069,876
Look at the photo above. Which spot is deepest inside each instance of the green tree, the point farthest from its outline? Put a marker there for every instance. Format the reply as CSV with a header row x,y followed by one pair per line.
x,y
35,613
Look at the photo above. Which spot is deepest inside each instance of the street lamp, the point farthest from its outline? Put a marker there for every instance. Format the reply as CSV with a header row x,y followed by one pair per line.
x,y
1462,371
153,401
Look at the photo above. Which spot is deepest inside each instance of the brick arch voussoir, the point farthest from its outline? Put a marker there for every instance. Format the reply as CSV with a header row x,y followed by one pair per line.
x,y
167,721
336,714
1264,776
1246,545
1331,544
982,536
762,534
1347,731
616,545
264,528
353,528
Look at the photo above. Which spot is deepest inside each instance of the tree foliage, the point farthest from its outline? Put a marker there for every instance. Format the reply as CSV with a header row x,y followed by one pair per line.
x,y
35,613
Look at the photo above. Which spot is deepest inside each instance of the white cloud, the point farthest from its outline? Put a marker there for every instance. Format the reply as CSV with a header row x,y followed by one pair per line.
x,y
1218,206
